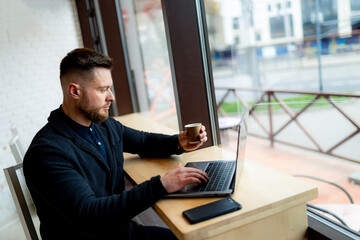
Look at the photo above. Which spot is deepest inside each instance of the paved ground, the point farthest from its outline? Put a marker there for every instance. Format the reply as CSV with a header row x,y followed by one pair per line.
x,y
296,161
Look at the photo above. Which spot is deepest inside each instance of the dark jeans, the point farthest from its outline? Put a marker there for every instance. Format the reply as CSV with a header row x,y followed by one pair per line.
x,y
158,233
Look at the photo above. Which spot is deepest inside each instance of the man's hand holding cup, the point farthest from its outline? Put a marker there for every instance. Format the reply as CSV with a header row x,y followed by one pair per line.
x,y
193,137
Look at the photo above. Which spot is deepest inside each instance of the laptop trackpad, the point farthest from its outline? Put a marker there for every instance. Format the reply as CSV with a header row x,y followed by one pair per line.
x,y
199,165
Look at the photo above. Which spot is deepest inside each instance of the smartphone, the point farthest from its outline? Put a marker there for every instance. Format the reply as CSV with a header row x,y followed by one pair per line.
x,y
211,210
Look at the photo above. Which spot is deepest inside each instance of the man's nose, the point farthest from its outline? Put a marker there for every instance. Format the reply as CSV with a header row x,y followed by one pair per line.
x,y
111,96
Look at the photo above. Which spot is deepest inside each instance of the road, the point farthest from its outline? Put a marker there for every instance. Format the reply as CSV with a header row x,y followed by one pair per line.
x,y
326,124
339,74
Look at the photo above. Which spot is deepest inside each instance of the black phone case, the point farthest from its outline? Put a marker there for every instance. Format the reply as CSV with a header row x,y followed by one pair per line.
x,y
211,210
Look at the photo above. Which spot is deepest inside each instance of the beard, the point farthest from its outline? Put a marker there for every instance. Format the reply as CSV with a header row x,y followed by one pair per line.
x,y
94,114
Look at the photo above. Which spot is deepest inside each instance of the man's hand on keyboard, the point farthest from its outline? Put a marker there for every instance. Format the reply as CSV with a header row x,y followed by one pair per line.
x,y
179,177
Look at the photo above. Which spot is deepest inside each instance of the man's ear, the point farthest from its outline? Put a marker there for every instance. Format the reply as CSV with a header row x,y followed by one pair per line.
x,y
74,90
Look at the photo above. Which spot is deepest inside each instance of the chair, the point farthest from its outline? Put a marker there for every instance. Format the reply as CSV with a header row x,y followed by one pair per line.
x,y
16,146
17,192
227,123
20,201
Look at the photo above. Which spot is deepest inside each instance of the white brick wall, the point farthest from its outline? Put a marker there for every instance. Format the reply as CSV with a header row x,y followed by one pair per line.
x,y
34,36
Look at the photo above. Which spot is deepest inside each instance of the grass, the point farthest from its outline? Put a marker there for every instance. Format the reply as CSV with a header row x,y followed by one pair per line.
x,y
295,103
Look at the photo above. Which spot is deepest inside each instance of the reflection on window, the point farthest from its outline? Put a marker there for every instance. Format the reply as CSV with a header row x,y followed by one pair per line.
x,y
148,36
327,16
275,69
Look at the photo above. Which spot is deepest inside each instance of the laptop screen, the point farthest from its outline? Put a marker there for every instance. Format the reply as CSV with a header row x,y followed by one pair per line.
x,y
242,134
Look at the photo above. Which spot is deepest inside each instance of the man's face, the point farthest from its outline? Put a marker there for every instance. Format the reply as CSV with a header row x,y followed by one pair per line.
x,y
96,96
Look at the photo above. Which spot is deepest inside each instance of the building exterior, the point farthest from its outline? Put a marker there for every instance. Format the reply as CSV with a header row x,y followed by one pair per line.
x,y
280,27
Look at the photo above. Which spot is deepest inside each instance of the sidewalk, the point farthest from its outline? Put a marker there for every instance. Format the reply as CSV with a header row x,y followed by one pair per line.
x,y
295,161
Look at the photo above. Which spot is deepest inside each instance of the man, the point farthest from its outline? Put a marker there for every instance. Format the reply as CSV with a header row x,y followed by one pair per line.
x,y
74,165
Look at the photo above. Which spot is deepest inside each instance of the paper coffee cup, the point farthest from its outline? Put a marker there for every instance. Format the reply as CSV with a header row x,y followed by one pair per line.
x,y
193,131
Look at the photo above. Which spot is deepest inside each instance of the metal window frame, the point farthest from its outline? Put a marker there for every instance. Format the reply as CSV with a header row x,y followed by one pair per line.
x,y
191,65
101,30
321,227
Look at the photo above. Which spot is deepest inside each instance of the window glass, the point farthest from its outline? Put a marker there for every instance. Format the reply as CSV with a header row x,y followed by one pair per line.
x,y
304,96
149,59
355,5
277,27
236,23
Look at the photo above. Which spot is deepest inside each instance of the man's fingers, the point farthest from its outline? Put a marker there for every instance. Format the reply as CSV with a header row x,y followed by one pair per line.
x,y
191,169
199,176
196,173
181,176
182,134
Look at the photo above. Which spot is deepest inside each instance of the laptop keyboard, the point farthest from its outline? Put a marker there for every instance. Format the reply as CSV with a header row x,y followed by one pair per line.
x,y
219,176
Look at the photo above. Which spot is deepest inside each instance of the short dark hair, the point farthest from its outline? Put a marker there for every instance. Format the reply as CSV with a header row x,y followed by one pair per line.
x,y
84,60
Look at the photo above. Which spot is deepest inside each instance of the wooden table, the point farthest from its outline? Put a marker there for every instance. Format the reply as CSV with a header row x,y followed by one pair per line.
x,y
274,204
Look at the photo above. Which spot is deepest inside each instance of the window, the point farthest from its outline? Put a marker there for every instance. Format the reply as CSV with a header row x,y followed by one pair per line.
x,y
149,59
291,25
355,5
280,61
236,40
277,27
258,36
236,24
281,26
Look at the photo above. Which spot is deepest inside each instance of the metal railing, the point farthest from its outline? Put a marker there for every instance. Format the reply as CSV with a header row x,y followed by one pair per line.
x,y
272,96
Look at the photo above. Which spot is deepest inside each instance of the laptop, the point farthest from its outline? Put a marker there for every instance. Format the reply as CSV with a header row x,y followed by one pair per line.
x,y
221,173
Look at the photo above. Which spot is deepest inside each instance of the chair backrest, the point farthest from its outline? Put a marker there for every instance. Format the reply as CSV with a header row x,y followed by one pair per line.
x,y
17,149
20,201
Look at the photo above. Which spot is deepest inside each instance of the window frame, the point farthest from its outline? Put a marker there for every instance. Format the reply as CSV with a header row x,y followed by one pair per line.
x,y
191,68
321,227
